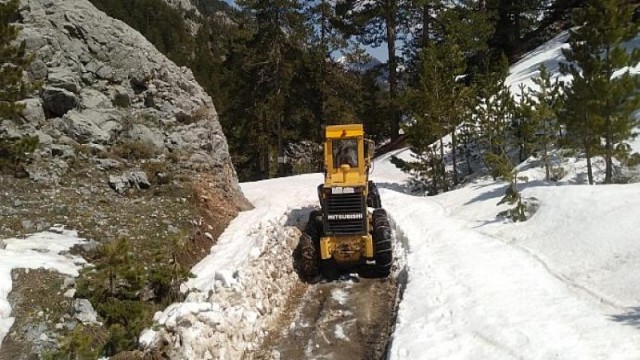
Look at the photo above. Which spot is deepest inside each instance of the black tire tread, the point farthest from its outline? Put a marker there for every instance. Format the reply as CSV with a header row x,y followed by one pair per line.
x,y
383,251
373,197
310,246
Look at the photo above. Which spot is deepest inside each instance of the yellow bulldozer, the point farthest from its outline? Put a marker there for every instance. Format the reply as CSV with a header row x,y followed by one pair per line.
x,y
351,230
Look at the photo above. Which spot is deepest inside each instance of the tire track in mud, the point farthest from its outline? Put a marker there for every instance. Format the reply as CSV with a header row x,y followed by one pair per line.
x,y
351,318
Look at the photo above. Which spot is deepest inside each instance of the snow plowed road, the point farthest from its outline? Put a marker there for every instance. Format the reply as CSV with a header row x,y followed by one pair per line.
x,y
350,318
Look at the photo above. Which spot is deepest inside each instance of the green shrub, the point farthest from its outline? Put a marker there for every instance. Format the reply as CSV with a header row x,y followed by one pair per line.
x,y
121,100
83,343
119,285
13,152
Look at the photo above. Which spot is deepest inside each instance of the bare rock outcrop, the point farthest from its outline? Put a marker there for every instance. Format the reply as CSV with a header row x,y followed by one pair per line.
x,y
104,84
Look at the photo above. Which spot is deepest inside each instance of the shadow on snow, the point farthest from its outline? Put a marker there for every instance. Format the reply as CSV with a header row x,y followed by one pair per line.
x,y
632,317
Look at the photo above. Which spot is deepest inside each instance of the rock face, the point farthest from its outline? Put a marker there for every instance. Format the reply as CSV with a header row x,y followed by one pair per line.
x,y
104,84
183,4
190,13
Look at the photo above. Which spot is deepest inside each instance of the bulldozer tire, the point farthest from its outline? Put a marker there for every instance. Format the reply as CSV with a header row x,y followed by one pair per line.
x,y
308,251
373,196
329,269
310,247
383,251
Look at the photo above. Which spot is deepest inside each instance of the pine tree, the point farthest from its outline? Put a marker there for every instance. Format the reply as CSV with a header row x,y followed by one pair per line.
x,y
13,63
332,89
371,106
502,125
604,101
376,22
270,58
578,115
523,125
438,98
545,103
514,19
493,112
435,104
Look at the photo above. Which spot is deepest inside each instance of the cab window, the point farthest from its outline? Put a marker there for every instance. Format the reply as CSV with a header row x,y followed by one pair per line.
x,y
345,151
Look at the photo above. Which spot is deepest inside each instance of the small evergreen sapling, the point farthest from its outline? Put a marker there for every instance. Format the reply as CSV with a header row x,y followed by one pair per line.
x,y
13,88
13,62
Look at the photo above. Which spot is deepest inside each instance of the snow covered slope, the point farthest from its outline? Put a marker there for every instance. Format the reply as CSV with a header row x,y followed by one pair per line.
x,y
562,285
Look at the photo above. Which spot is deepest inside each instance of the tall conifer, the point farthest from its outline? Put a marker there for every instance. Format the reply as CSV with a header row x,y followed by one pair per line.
x,y
376,22
271,59
545,102
603,98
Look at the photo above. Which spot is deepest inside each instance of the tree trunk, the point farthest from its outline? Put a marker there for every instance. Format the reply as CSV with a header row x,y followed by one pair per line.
x,y
323,41
454,148
264,149
281,159
425,24
589,170
443,168
608,150
390,20
516,26
545,160
111,278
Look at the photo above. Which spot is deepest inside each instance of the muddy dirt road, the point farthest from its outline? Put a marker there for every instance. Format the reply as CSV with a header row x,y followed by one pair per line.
x,y
350,318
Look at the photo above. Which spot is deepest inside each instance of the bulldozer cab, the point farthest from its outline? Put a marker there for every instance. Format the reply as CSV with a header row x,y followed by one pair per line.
x,y
347,155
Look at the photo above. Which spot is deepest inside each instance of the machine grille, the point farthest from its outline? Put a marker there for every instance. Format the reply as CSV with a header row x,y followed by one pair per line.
x,y
345,214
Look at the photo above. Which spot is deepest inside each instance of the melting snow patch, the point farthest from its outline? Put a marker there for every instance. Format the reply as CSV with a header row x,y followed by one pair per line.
x,y
340,333
45,250
339,295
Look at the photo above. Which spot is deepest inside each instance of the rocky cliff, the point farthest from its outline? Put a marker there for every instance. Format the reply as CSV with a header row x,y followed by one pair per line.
x,y
104,84
130,146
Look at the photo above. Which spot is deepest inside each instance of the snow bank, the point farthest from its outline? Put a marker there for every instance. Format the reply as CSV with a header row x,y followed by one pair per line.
x,y
241,287
41,250
227,320
243,240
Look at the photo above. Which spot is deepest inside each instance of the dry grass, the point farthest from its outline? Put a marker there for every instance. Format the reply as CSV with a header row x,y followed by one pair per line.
x,y
134,150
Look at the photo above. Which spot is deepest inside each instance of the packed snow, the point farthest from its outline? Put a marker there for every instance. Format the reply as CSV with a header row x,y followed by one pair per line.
x,y
542,289
44,250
